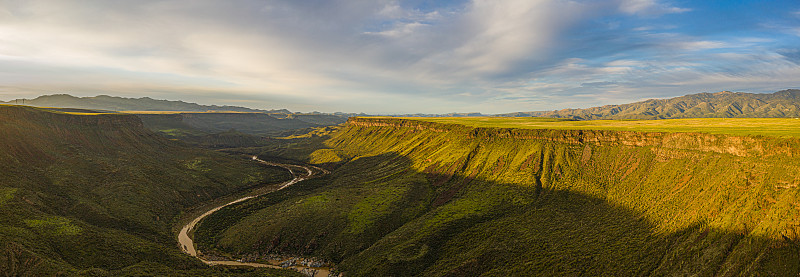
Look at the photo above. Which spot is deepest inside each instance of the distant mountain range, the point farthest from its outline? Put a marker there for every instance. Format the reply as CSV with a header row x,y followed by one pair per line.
x,y
113,103
785,103
191,120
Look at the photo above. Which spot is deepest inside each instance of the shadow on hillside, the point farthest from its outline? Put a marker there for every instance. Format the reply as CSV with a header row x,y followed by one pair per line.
x,y
471,226
289,150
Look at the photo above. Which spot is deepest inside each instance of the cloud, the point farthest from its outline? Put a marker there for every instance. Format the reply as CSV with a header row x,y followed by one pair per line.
x,y
374,56
648,8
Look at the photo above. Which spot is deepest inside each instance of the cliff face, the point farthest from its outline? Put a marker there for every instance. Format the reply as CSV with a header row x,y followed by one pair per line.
x,y
720,204
18,115
33,135
421,198
725,144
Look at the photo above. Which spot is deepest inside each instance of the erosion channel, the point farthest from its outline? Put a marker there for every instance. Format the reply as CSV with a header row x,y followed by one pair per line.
x,y
187,244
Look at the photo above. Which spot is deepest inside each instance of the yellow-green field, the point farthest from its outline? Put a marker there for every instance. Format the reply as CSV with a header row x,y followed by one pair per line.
x,y
778,127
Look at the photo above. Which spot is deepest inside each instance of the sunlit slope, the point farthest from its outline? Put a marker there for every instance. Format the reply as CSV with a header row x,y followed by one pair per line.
x,y
98,194
423,198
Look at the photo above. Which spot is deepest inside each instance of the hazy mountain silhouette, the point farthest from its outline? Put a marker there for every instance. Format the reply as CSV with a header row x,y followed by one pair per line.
x,y
113,103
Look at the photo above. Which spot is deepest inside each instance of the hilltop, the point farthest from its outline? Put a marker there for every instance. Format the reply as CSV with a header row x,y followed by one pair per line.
x,y
785,103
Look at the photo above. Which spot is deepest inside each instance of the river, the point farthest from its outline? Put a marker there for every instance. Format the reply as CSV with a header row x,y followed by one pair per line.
x,y
187,244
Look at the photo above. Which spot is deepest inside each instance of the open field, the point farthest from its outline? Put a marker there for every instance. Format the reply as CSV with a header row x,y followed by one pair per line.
x,y
777,127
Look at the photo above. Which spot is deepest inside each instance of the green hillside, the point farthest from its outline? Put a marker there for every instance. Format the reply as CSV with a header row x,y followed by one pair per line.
x,y
99,195
423,198
785,103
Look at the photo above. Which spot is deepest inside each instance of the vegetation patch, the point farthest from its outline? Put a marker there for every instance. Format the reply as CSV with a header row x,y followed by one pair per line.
x,y
196,164
322,156
55,225
373,207
6,194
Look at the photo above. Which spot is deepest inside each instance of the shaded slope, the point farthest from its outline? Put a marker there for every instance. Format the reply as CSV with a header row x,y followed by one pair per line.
x,y
225,130
421,198
100,193
784,103
183,124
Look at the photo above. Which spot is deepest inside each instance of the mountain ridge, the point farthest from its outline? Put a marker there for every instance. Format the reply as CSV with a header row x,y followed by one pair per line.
x,y
784,103
115,103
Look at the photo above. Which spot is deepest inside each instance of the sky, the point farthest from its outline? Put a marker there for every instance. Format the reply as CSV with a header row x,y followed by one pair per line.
x,y
396,57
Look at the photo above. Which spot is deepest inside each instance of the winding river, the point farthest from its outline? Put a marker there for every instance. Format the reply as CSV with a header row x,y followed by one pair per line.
x,y
299,172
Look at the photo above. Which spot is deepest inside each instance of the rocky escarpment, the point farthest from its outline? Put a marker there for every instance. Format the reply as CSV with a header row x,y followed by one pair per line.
x,y
726,144
36,135
420,198
17,115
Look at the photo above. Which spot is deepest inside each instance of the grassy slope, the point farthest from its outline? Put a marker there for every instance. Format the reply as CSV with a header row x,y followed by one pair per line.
x,y
433,199
101,193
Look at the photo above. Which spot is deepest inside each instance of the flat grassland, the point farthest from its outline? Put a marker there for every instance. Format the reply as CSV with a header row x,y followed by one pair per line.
x,y
774,127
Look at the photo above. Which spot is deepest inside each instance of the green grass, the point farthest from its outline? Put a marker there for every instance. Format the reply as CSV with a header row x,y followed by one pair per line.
x,y
59,226
6,194
776,127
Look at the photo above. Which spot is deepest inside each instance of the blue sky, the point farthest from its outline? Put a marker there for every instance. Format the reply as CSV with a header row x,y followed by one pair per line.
x,y
398,56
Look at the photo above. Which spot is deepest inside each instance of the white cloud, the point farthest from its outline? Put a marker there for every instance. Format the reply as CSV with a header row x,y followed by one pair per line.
x,y
338,54
698,45
648,7
505,31
485,38
400,30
